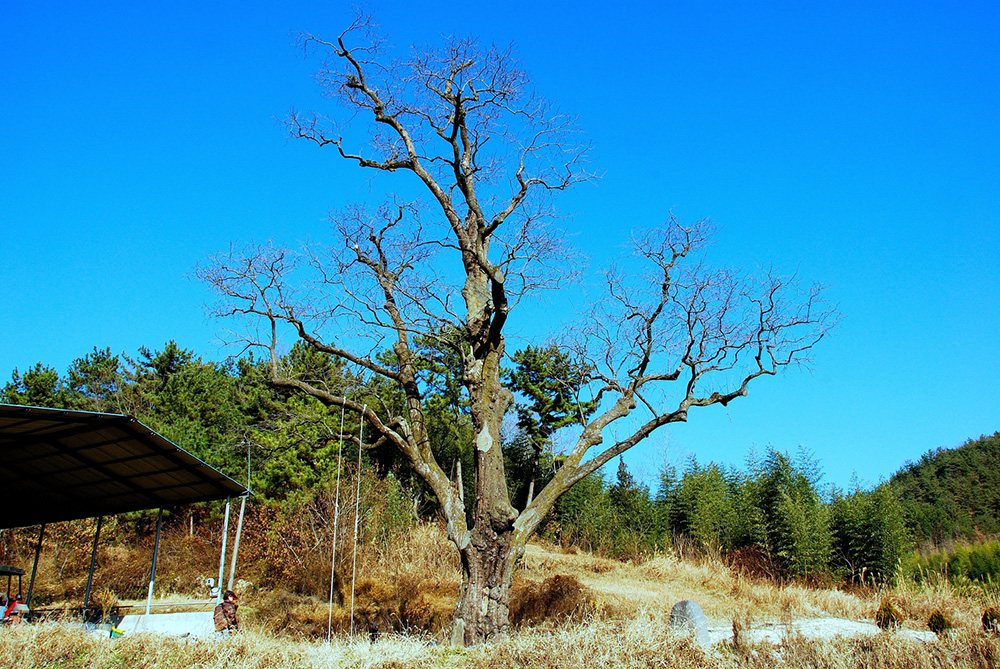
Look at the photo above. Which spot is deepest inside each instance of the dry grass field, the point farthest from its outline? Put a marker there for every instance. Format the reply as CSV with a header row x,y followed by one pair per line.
x,y
571,609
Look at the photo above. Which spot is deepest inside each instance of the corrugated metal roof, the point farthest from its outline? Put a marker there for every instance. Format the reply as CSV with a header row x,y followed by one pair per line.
x,y
60,465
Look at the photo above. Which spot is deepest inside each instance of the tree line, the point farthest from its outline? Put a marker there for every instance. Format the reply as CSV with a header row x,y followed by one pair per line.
x,y
773,517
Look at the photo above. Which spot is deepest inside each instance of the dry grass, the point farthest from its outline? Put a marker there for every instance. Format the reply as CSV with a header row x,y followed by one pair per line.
x,y
577,610
409,588
621,589
962,605
642,641
51,645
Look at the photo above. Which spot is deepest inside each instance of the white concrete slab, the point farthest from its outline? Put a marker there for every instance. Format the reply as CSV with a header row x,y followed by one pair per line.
x,y
812,628
193,623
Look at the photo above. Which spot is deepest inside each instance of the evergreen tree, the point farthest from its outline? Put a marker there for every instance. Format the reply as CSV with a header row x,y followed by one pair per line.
x,y
39,386
550,381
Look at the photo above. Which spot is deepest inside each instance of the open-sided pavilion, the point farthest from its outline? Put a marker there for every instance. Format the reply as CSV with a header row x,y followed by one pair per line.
x,y
58,465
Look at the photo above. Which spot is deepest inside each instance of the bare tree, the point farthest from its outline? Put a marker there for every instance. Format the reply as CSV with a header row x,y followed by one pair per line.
x,y
461,124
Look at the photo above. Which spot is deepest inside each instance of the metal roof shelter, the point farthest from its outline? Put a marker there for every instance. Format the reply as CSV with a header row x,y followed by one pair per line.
x,y
58,465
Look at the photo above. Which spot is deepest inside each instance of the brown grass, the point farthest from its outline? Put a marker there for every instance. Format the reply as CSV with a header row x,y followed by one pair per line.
x,y
570,609
642,641
620,589
412,587
411,584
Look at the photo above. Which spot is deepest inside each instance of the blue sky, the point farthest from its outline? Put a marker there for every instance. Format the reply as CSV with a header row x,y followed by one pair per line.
x,y
857,145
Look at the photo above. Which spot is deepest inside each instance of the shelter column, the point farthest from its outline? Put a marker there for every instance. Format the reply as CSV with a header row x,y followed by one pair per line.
x,y
156,550
236,542
93,560
222,556
34,566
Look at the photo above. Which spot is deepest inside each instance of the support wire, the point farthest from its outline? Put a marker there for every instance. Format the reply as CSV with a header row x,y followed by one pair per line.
x,y
357,507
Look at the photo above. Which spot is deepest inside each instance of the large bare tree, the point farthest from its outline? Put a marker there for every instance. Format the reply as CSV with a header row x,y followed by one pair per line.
x,y
461,125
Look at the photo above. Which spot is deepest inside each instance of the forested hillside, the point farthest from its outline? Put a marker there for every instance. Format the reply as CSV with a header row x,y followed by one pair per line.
x,y
953,493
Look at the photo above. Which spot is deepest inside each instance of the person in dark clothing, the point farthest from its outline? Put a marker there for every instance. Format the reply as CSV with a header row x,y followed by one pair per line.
x,y
225,614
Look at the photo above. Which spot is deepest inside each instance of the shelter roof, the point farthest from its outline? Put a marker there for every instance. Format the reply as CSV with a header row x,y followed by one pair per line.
x,y
58,465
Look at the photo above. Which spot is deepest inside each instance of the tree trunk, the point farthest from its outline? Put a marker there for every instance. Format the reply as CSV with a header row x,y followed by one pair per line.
x,y
488,548
483,609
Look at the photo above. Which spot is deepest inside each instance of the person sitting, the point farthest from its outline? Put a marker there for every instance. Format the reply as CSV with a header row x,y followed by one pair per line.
x,y
225,614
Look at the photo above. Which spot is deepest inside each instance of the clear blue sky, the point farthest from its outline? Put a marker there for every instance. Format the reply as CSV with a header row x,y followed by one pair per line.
x,y
857,145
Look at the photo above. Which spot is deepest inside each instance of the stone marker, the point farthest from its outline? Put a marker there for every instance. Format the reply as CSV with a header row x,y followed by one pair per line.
x,y
687,617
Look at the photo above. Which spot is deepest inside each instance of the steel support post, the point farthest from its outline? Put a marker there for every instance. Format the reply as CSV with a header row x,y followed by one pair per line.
x,y
93,560
236,541
156,551
34,566
222,555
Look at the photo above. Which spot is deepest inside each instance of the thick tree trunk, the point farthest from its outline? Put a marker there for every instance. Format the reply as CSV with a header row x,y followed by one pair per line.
x,y
483,609
488,548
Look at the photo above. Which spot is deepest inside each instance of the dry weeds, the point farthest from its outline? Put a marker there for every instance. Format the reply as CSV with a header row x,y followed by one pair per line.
x,y
578,610
621,589
643,641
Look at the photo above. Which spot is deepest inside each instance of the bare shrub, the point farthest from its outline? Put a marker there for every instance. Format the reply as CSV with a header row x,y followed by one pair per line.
x,y
888,617
559,597
991,620
753,561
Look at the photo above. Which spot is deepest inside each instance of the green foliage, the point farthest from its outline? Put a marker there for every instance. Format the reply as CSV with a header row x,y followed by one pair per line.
x,y
299,448
215,411
193,403
636,514
701,506
796,522
220,412
40,386
223,412
869,533
803,524
951,494
549,381
438,360
775,508
95,382
749,523
618,520
979,562
584,517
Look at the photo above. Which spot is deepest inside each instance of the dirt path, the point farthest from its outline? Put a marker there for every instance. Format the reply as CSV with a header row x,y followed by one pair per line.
x,y
773,611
